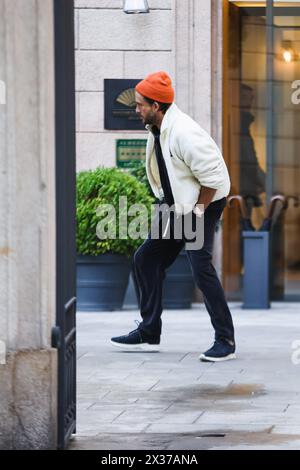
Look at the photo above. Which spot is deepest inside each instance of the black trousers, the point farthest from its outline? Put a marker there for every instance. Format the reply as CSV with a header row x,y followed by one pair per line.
x,y
155,255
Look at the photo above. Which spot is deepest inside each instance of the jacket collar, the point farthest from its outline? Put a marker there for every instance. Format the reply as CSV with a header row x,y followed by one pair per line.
x,y
167,119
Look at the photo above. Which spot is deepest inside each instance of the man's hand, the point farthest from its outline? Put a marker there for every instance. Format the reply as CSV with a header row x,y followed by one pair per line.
x,y
198,210
206,196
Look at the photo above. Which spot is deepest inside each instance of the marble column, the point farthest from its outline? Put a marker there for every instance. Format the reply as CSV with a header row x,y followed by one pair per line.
x,y
28,364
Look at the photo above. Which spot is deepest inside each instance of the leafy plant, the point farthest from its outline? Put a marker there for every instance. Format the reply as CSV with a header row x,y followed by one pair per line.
x,y
137,168
105,186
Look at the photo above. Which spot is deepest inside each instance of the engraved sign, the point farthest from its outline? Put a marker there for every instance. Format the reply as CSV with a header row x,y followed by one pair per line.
x,y
119,103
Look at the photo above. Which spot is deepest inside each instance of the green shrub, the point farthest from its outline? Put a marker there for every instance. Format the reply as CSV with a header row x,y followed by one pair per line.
x,y
137,168
105,186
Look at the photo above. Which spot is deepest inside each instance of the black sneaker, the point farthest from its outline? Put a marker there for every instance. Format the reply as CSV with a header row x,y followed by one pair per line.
x,y
136,340
222,350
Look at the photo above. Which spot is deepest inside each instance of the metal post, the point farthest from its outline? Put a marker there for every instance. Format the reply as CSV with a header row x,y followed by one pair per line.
x,y
64,332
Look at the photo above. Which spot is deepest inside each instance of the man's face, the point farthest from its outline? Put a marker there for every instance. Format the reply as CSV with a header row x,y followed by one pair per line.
x,y
144,110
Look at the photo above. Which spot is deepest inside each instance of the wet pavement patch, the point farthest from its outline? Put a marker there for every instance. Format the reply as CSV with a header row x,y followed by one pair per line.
x,y
214,392
237,390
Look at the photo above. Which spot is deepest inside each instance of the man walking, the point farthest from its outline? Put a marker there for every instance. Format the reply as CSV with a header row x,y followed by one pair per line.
x,y
186,170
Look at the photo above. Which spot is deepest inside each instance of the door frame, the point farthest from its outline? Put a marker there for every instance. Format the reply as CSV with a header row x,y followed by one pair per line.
x,y
64,333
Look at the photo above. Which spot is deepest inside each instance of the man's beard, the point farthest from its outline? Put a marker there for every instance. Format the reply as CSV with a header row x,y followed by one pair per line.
x,y
149,120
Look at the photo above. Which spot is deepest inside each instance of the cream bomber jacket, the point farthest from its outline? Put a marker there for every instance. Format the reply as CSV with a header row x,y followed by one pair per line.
x,y
192,159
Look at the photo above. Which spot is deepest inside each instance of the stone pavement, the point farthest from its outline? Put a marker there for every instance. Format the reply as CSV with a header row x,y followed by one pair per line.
x,y
171,400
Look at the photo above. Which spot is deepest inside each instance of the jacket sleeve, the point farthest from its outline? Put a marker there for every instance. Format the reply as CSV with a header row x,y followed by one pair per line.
x,y
201,154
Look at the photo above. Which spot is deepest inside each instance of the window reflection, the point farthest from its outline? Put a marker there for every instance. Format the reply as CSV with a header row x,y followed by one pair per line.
x,y
252,176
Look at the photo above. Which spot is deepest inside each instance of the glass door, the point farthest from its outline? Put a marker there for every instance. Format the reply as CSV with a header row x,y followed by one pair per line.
x,y
261,135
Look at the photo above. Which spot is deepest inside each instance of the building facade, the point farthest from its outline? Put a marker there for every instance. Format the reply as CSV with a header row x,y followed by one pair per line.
x,y
236,70
234,66
182,38
28,365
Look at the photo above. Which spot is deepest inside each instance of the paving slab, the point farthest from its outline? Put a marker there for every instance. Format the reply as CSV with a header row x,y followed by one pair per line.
x,y
170,400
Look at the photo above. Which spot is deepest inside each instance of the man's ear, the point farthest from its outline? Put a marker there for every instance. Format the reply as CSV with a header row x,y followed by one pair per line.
x,y
156,105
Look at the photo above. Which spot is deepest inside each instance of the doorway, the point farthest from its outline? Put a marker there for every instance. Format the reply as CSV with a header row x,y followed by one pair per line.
x,y
262,134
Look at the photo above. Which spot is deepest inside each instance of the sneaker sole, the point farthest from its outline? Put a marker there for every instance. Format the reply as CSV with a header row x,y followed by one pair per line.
x,y
204,358
143,347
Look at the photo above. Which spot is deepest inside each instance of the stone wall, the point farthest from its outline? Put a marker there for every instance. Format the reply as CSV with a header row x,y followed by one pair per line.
x,y
111,44
175,36
28,384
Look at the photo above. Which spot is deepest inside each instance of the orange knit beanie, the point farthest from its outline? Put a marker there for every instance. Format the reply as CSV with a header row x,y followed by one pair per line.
x,y
157,86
